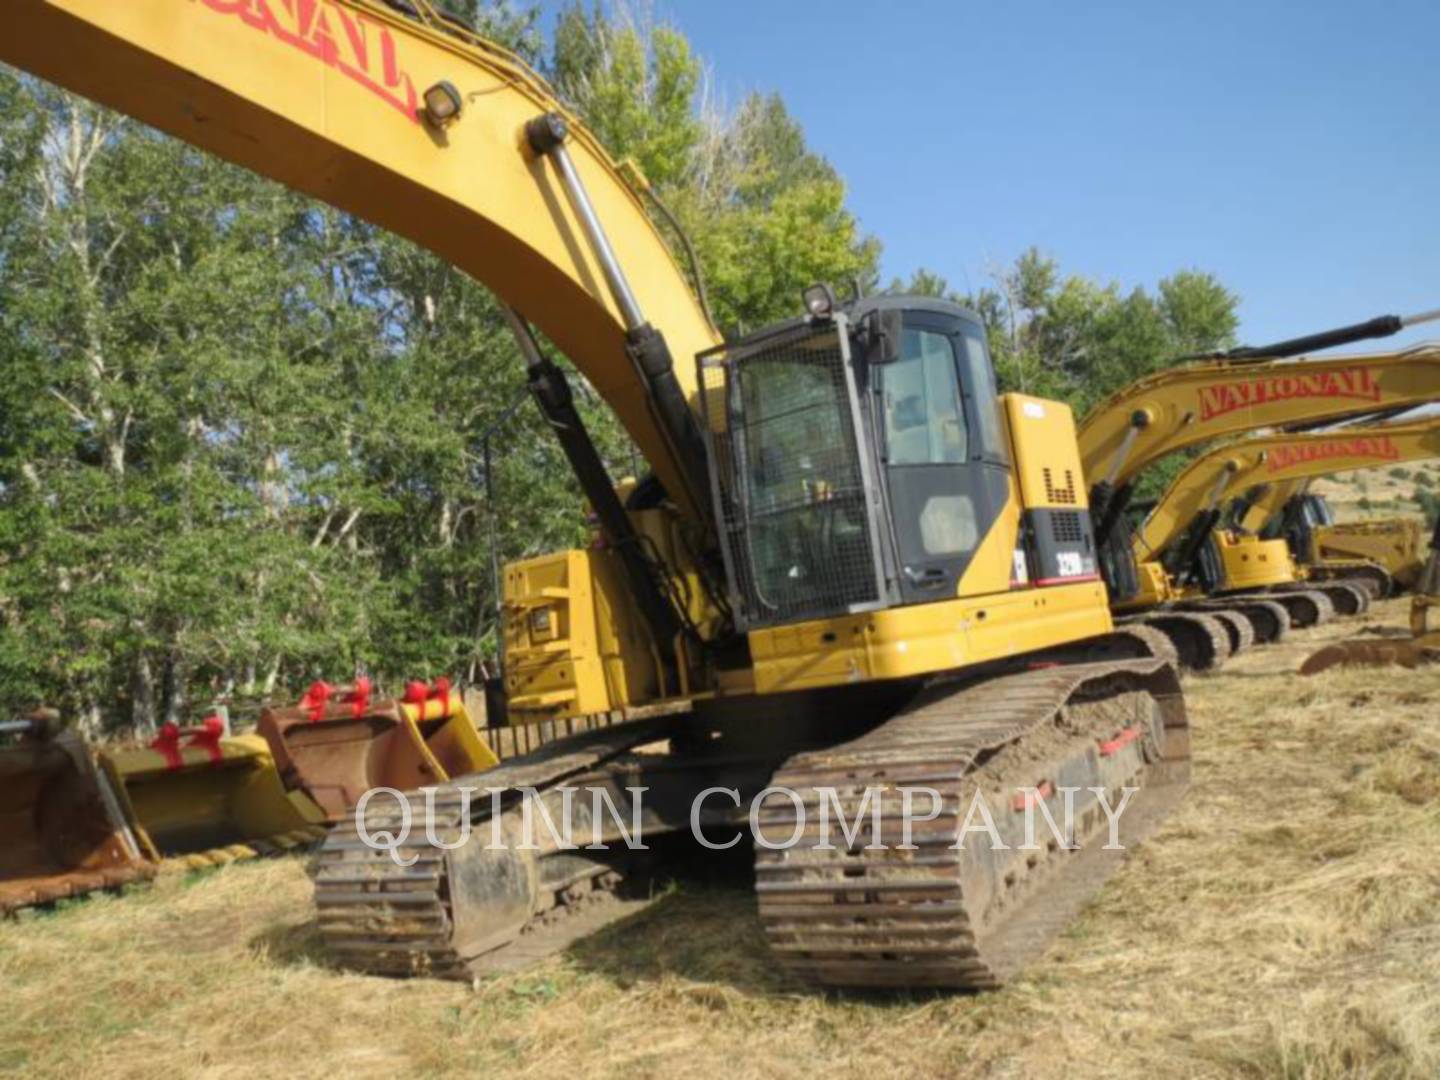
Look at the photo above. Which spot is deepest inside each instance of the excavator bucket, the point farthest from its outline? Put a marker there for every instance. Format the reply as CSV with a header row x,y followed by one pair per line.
x,y
1403,652
203,798
62,831
1422,646
338,743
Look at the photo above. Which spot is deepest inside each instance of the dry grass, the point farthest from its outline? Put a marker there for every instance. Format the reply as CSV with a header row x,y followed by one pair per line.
x,y
1283,923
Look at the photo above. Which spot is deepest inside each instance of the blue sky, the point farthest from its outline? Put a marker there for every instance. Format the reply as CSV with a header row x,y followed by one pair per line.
x,y
1293,149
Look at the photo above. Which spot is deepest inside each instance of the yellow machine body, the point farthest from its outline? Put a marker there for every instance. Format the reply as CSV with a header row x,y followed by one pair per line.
x,y
203,811
1396,544
1251,563
993,615
574,643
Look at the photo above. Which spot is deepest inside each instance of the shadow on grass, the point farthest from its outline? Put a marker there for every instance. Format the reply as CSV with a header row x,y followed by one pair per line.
x,y
704,929
293,945
701,927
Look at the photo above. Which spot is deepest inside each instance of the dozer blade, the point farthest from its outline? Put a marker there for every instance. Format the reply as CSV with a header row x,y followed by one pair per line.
x,y
1411,653
336,745
214,800
62,832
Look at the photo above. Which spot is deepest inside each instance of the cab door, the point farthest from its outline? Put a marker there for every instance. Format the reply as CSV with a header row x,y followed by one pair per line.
x,y
944,466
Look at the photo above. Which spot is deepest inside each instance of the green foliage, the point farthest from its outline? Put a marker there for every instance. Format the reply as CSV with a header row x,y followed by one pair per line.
x,y
243,438
1423,479
1400,473
1067,337
766,214
1070,338
634,88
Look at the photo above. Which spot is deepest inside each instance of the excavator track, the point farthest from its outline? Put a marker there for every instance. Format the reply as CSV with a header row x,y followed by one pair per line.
x,y
947,910
1201,641
1240,629
1269,621
1372,577
1346,597
439,918
1307,607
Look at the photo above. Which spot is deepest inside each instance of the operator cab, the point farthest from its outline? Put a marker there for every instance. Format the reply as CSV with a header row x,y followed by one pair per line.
x,y
1297,521
857,456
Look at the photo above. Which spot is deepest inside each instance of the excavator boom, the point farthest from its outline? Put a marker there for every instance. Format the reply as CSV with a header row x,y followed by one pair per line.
x,y
1212,480
1198,403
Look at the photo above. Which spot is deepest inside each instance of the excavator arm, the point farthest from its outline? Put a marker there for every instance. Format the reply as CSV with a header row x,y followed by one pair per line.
x,y
1212,480
329,97
1182,407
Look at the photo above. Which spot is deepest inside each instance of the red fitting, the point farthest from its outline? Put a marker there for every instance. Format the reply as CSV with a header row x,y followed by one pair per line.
x,y
1025,799
207,737
1115,745
359,697
315,700
167,744
417,694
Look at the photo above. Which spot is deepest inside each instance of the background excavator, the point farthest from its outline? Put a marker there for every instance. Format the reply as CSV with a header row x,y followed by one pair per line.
x,y
856,565
1246,390
1325,547
1187,531
1420,646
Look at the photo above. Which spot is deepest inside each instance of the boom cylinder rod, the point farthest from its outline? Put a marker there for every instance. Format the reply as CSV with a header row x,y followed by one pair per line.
x,y
645,344
1382,326
1138,423
595,233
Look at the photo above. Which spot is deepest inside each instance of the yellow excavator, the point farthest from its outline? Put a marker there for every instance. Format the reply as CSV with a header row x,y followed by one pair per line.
x,y
1421,646
856,568
64,830
1329,548
1186,531
1235,393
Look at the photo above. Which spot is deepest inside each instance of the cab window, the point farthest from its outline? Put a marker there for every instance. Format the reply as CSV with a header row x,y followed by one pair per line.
x,y
924,423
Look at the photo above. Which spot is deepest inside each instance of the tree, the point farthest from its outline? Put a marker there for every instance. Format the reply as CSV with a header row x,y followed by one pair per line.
x,y
766,214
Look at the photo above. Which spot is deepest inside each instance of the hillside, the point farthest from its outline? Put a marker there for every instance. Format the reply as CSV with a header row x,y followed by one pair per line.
x,y
1283,923
1388,492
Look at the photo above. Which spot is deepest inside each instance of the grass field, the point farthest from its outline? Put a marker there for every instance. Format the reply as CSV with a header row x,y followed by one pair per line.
x,y
1283,923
